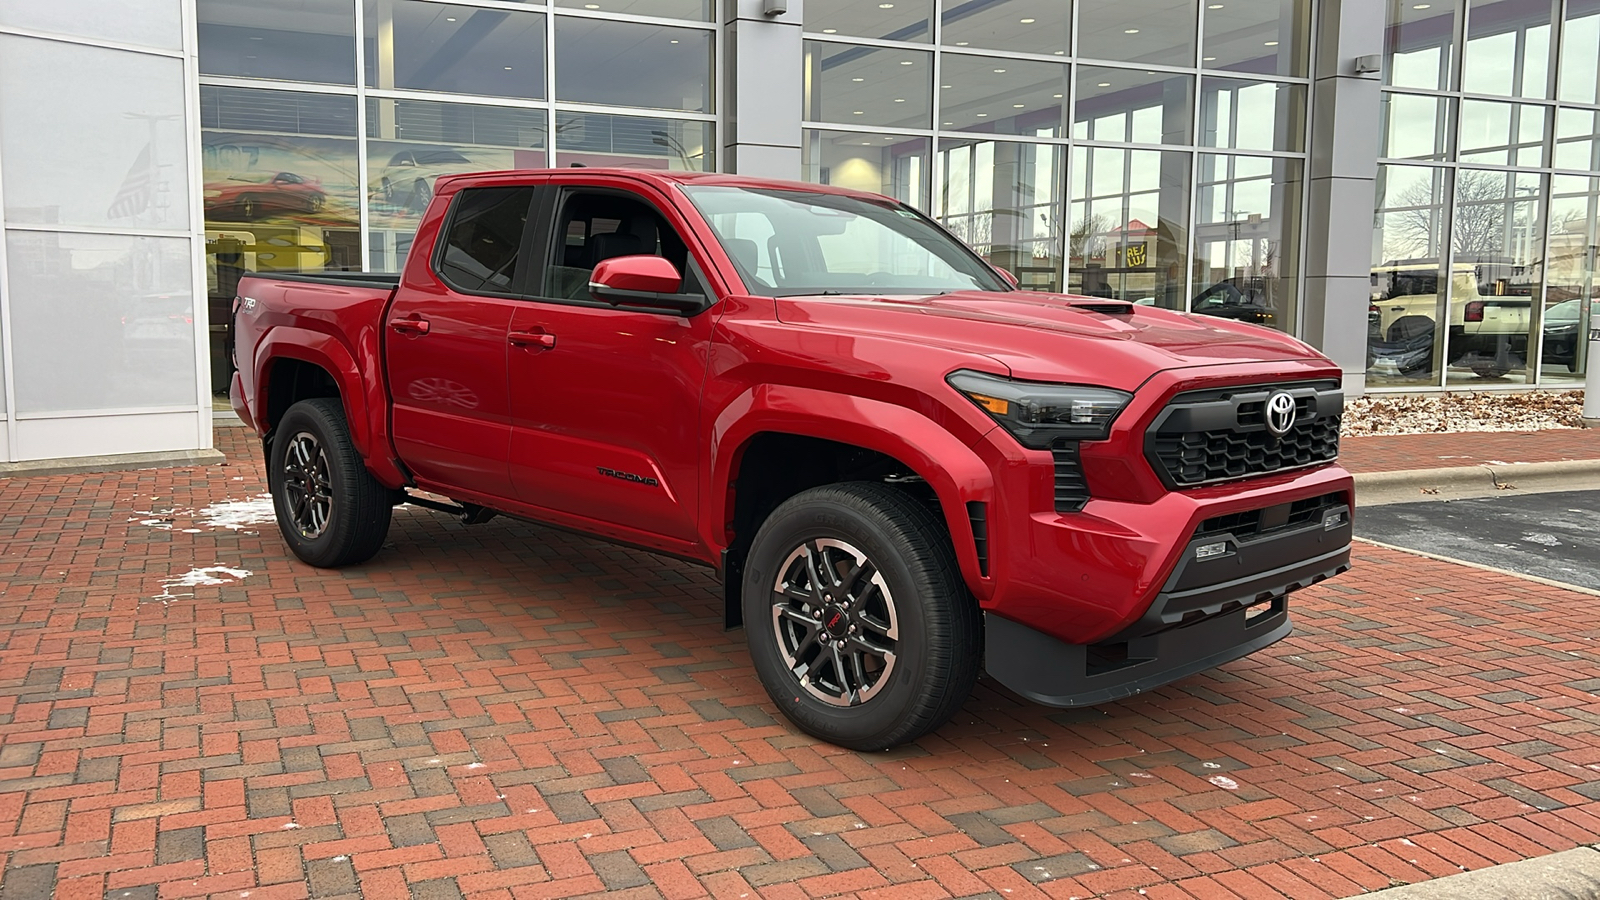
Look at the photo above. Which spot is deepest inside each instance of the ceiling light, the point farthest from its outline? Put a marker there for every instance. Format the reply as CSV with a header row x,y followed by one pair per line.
x,y
983,115
449,18
1057,96
899,99
949,123
1130,31
508,68
858,113
1208,59
591,6
1104,84
945,86
906,62
886,6
858,79
999,71
1026,21
1214,6
674,42
1272,43
830,31
1017,105
866,143
1422,6
962,43
1061,53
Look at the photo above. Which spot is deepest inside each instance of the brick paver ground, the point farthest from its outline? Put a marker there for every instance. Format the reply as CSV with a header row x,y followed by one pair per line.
x,y
1392,453
506,711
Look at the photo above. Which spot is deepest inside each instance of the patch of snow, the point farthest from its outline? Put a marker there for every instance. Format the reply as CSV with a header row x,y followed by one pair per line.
x,y
210,575
238,514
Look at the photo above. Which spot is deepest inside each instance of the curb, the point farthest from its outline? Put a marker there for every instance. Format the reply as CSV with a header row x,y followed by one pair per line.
x,y
1569,875
120,462
1465,482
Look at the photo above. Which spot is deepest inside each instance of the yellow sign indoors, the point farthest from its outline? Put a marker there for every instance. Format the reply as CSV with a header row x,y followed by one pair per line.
x,y
1134,255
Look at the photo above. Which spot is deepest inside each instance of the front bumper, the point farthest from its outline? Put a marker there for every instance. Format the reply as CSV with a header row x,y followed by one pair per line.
x,y
1206,610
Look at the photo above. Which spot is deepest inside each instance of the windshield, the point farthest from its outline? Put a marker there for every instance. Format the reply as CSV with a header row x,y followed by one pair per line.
x,y
800,243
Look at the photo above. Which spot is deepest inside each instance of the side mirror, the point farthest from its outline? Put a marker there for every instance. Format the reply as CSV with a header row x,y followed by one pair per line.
x,y
647,281
1006,274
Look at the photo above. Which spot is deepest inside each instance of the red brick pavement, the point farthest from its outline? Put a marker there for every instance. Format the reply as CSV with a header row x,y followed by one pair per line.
x,y
1393,453
507,712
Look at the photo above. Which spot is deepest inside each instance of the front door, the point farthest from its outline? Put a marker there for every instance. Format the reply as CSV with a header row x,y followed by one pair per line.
x,y
445,345
605,402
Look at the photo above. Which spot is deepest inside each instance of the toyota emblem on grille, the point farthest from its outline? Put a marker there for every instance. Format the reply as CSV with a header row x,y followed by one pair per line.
x,y
1280,413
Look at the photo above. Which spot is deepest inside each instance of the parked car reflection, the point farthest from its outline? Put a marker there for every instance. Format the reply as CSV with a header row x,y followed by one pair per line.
x,y
407,180
1562,331
244,199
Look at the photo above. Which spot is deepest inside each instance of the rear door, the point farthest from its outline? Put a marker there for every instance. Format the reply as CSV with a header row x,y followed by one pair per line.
x,y
605,402
445,345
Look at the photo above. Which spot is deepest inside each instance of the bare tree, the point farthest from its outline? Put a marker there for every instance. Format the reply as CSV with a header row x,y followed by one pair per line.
x,y
1487,209
1088,237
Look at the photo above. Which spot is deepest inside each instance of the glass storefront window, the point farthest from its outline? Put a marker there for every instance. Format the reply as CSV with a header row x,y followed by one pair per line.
x,y
152,23
420,46
632,64
1404,337
411,143
1260,37
1004,200
1572,291
1132,105
1129,229
891,164
1502,134
100,321
858,85
1508,48
1497,234
1118,31
1252,115
1018,26
1002,96
696,10
1247,239
1418,43
1577,139
1580,52
1416,126
901,20
308,40
282,191
633,142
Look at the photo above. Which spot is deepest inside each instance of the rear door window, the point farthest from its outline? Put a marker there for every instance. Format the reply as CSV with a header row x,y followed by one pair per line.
x,y
481,249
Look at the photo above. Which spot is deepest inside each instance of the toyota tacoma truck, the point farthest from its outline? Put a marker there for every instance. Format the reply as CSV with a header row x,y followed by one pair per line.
x,y
905,470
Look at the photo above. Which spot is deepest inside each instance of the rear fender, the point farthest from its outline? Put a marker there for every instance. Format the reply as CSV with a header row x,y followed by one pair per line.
x,y
363,398
950,467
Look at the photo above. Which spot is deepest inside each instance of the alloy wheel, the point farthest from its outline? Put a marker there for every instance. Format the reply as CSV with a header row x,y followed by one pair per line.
x,y
835,621
306,484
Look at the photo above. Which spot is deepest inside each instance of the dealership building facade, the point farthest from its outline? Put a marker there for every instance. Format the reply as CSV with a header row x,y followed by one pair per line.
x,y
1409,185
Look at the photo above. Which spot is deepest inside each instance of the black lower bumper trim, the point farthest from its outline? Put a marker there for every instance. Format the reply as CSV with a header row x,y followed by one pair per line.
x,y
1048,671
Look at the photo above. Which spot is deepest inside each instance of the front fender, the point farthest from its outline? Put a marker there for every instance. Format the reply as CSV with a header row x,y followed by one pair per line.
x,y
362,397
956,474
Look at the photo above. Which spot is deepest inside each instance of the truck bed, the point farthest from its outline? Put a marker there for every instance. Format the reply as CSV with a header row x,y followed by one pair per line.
x,y
344,279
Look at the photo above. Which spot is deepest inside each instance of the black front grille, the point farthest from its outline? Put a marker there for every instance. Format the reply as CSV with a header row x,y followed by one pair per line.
x,y
1072,491
1253,523
1220,435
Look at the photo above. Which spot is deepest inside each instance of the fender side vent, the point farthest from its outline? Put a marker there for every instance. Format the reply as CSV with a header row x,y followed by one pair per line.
x,y
1072,491
978,515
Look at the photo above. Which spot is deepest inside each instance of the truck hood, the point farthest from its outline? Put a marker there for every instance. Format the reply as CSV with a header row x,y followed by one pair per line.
x,y
1054,337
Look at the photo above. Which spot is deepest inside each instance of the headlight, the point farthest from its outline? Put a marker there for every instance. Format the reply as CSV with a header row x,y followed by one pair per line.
x,y
1037,413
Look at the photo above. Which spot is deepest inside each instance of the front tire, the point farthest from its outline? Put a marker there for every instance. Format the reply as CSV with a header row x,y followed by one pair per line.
x,y
859,624
330,509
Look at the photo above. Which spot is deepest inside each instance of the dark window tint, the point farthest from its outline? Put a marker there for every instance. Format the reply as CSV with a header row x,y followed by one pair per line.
x,y
597,227
484,238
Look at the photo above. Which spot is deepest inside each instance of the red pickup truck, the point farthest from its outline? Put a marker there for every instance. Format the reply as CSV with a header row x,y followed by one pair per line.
x,y
904,469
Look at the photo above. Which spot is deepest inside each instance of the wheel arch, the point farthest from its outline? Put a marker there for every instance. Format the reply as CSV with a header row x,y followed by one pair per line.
x,y
776,441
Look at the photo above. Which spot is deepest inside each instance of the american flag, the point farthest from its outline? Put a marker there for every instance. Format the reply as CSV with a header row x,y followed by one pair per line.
x,y
138,188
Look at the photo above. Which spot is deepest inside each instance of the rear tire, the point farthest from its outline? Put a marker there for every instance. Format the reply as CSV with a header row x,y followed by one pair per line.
x,y
331,511
859,624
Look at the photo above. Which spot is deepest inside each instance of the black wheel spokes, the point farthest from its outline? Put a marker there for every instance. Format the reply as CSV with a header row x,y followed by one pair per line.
x,y
835,622
307,485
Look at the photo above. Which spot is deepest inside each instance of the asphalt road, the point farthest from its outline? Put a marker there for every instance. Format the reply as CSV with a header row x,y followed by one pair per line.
x,y
1554,536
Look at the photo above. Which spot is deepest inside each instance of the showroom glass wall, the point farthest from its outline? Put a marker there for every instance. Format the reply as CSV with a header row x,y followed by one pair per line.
x,y
325,123
1488,211
1153,152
